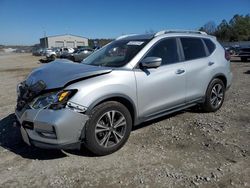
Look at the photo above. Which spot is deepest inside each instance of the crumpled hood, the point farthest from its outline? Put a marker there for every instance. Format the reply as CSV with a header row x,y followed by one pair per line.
x,y
60,72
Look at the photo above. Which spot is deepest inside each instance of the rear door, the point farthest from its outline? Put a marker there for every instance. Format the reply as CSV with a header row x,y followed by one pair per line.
x,y
162,88
196,63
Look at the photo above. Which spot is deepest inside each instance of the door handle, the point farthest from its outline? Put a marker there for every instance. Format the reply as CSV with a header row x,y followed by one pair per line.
x,y
180,71
210,63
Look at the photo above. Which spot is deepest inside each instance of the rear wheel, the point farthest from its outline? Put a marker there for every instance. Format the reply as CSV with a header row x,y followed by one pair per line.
x,y
214,96
108,128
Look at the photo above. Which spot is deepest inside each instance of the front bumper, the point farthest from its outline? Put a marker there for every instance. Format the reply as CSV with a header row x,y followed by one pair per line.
x,y
64,125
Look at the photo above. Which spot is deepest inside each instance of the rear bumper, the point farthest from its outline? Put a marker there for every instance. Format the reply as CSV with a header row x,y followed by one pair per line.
x,y
52,129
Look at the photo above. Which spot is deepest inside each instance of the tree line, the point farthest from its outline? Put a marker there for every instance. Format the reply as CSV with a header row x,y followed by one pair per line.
x,y
237,29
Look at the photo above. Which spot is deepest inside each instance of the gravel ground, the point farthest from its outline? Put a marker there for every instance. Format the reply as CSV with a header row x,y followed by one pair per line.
x,y
185,149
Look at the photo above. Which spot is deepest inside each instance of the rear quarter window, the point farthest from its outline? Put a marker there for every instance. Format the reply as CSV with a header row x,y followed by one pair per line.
x,y
210,45
193,48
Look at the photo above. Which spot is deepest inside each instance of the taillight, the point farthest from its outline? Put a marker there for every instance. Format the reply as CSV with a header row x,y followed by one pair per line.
x,y
227,55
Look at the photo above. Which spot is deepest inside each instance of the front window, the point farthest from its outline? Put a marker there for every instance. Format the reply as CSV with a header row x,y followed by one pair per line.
x,y
116,54
166,50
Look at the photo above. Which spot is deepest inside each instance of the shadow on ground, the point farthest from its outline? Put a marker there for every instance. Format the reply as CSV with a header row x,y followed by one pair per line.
x,y
247,72
10,139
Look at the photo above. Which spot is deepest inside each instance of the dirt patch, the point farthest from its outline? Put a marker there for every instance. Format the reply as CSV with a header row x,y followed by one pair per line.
x,y
185,149
16,70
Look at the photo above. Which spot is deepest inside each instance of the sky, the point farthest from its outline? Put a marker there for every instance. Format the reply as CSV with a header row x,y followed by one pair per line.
x,y
23,22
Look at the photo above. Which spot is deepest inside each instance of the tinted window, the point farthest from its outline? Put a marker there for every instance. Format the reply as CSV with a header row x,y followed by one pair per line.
x,y
167,50
210,45
193,48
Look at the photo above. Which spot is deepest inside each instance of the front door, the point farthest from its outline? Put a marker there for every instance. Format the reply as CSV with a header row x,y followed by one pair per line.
x,y
162,88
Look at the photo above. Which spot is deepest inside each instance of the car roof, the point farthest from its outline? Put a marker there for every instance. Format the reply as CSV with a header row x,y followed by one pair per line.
x,y
174,33
136,37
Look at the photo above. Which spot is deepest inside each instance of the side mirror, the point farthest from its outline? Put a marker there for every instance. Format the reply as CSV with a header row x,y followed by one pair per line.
x,y
151,62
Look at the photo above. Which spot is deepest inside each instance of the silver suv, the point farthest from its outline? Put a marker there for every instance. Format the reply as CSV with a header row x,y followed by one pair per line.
x,y
131,80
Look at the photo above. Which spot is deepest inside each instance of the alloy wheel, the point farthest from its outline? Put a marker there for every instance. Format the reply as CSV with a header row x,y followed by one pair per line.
x,y
217,95
110,128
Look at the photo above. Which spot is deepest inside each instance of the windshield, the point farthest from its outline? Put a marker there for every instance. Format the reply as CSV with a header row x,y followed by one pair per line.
x,y
116,54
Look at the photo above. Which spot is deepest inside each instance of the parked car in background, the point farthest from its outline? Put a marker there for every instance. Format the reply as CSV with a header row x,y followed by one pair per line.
x,y
243,53
37,52
65,52
81,54
135,78
51,54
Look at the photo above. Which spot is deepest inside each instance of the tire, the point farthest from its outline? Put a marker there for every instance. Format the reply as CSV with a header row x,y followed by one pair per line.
x,y
244,59
53,57
103,137
215,95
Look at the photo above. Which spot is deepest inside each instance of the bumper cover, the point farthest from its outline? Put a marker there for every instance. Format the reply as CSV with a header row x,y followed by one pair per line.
x,y
66,124
43,145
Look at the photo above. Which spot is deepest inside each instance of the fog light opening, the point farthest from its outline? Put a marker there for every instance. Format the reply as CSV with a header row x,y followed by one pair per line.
x,y
47,134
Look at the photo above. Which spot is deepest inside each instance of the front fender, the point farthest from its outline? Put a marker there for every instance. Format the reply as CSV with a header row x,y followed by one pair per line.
x,y
94,90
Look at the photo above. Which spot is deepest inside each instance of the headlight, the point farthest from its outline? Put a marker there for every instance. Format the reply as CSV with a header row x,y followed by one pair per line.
x,y
44,100
63,95
55,100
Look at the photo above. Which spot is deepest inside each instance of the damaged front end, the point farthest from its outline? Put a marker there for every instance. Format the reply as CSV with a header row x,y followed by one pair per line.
x,y
45,111
36,97
46,117
26,94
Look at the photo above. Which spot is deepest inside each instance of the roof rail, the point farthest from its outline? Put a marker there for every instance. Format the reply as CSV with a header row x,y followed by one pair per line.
x,y
180,31
124,36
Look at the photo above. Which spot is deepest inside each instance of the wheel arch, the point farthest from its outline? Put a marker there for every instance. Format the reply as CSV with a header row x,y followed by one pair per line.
x,y
123,99
222,77
206,104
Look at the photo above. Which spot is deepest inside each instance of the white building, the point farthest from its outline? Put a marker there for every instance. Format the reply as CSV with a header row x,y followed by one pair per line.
x,y
70,41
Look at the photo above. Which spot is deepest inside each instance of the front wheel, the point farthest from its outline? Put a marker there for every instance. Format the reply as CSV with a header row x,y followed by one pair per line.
x,y
53,57
215,95
108,128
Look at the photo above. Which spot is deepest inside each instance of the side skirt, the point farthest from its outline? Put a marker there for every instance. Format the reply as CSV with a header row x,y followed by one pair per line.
x,y
169,111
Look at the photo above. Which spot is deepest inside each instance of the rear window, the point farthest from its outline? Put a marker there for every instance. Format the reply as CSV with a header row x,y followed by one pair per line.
x,y
210,45
193,48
